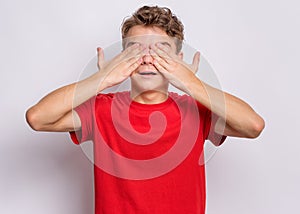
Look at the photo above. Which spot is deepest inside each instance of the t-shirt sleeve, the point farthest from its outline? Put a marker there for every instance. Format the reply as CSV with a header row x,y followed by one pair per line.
x,y
85,112
209,129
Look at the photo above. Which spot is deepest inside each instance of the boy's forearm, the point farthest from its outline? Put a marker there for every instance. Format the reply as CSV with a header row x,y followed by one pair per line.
x,y
240,119
61,101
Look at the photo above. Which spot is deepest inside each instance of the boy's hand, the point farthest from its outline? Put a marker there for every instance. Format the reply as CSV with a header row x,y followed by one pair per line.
x,y
173,67
121,66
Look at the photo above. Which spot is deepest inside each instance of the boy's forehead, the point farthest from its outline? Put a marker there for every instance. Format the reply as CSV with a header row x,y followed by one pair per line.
x,y
148,35
150,39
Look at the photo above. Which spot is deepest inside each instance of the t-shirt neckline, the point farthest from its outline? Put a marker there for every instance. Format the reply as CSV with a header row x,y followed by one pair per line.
x,y
135,104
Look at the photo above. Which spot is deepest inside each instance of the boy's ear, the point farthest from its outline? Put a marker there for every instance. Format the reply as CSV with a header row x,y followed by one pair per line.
x,y
180,54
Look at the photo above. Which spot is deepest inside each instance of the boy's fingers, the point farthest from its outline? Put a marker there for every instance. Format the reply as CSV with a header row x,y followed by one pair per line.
x,y
100,58
134,63
128,53
159,53
196,61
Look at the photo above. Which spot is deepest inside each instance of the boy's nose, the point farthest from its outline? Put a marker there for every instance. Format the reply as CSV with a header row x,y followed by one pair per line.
x,y
147,59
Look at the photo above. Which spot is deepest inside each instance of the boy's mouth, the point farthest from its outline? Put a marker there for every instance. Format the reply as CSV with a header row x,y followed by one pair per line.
x,y
147,73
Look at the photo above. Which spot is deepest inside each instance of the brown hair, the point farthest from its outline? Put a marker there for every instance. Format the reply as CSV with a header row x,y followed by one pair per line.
x,y
161,17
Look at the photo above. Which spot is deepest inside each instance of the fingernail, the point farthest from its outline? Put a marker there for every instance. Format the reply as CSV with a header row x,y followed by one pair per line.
x,y
158,45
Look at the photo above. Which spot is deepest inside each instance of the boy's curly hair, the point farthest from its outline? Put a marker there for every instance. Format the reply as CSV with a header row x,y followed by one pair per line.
x,y
161,17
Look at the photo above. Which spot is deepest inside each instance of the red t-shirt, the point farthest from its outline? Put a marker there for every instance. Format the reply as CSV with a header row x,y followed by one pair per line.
x,y
147,155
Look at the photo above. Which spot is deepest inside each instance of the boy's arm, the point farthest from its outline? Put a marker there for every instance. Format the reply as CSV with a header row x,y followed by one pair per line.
x,y
236,117
54,112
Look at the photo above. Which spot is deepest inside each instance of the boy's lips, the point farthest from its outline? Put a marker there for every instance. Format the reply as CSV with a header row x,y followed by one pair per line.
x,y
147,72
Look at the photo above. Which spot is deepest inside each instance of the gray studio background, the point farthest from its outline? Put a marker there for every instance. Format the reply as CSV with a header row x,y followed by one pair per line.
x,y
253,47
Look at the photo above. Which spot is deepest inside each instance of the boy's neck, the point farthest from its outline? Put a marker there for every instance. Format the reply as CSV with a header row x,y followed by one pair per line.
x,y
150,97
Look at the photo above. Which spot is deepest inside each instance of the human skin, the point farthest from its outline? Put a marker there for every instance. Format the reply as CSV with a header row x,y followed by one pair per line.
x,y
152,65
55,113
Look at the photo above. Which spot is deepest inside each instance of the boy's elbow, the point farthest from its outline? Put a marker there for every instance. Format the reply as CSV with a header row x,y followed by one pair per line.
x,y
257,127
32,118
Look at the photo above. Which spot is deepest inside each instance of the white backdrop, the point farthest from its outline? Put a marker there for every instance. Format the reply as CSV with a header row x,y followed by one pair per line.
x,y
253,47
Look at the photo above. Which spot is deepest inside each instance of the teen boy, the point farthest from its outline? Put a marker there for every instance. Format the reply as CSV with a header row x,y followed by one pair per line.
x,y
148,121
